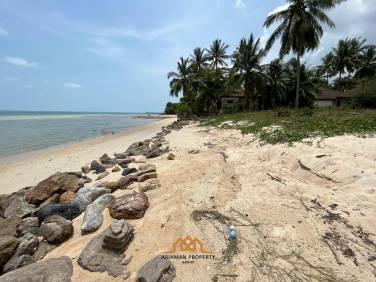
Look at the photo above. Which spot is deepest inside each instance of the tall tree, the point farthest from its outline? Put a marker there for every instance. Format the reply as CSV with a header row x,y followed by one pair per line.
x,y
199,60
181,82
276,82
367,66
247,59
347,55
327,67
300,29
217,54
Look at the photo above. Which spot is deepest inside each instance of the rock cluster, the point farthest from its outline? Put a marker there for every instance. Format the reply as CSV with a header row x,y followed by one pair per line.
x,y
104,252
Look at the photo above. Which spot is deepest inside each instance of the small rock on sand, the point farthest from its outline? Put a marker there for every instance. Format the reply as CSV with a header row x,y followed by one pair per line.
x,y
157,270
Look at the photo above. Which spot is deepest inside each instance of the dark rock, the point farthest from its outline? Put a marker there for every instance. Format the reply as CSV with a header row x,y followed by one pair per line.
x,y
8,226
93,217
149,185
8,245
28,225
126,181
171,157
105,159
157,270
85,196
56,229
100,256
54,199
194,151
55,184
51,270
116,169
28,245
43,249
147,176
111,185
85,169
18,207
102,175
120,155
84,180
124,162
129,170
67,197
97,166
156,152
130,206
67,211
118,236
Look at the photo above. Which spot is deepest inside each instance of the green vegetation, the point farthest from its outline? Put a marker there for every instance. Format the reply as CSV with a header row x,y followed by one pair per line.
x,y
209,74
289,126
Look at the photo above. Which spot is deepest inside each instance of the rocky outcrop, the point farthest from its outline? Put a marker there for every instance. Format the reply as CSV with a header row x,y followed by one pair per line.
x,y
18,207
67,197
8,245
28,225
157,270
51,270
55,184
104,253
8,226
129,170
85,196
54,199
56,229
93,217
124,162
130,206
147,176
23,255
67,211
149,185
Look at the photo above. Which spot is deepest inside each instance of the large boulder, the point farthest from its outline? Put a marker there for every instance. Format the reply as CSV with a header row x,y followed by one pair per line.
x,y
43,249
105,159
8,245
23,255
56,229
157,270
138,148
18,207
67,197
97,166
55,184
147,176
93,217
85,196
8,226
51,270
149,185
108,257
120,155
67,211
4,203
126,181
130,206
125,162
129,170
28,225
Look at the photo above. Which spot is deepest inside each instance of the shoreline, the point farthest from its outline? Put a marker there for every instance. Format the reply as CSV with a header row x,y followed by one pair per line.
x,y
27,169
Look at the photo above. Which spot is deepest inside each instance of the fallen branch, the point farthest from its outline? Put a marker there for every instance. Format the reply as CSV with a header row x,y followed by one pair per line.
x,y
303,166
276,178
333,252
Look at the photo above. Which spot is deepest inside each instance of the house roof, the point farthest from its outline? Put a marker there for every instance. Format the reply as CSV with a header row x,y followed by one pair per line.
x,y
330,94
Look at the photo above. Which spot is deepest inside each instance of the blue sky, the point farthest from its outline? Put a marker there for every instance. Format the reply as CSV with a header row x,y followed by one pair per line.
x,y
114,55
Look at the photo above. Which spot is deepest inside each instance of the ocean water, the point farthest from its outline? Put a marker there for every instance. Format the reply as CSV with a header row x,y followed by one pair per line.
x,y
22,132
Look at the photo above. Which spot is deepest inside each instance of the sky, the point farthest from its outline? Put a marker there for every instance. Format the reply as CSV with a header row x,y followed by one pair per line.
x,y
114,56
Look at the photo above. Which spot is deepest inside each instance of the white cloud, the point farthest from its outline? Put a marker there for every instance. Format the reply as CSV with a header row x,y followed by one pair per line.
x,y
3,32
240,4
28,86
11,78
73,85
20,62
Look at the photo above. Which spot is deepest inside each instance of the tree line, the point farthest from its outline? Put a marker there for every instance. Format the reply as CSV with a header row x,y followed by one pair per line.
x,y
211,73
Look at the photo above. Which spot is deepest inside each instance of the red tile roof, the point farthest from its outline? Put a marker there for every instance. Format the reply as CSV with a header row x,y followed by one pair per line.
x,y
330,94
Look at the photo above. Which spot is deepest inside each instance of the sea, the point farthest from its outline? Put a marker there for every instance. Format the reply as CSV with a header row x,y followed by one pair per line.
x,y
22,132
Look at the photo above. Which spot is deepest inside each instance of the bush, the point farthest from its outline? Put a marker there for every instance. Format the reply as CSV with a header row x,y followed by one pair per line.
x,y
365,94
170,108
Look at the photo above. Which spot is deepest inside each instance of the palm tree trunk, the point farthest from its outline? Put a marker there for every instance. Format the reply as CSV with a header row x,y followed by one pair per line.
x,y
297,82
246,86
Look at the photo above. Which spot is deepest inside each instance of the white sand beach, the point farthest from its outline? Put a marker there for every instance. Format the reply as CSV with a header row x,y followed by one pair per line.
x,y
304,212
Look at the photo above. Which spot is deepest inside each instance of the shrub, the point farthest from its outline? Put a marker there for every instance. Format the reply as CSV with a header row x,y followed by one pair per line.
x,y
365,94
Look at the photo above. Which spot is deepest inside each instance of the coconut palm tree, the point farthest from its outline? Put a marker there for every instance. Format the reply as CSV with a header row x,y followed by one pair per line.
x,y
327,67
181,82
300,29
217,54
199,60
368,63
276,82
247,59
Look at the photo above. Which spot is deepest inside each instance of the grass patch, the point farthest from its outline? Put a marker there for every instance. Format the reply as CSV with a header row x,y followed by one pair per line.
x,y
289,126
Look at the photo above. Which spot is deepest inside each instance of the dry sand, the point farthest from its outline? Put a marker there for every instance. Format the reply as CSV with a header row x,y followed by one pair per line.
x,y
303,213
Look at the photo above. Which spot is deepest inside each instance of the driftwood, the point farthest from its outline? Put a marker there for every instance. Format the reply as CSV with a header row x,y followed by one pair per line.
x,y
276,178
323,176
